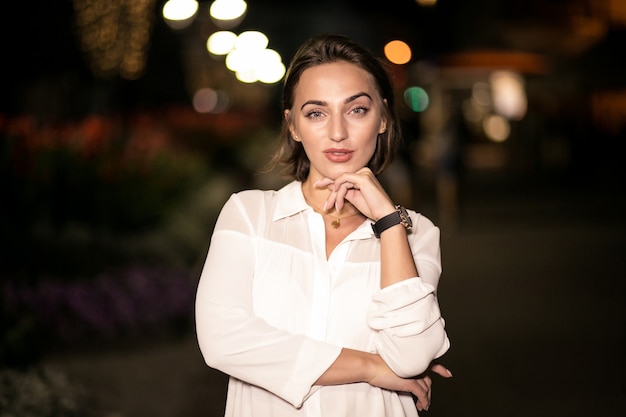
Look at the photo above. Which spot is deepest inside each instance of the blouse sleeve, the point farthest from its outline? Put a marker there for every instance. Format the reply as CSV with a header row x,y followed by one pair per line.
x,y
406,315
234,340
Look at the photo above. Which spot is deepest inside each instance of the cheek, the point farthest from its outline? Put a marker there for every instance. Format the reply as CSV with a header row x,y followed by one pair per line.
x,y
371,149
311,147
367,144
369,136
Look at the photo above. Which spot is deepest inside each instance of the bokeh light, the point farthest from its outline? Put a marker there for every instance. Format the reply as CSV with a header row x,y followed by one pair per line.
x,y
238,60
481,94
178,14
221,42
227,13
252,61
270,68
397,52
205,100
496,128
208,100
246,75
472,112
509,96
416,98
251,40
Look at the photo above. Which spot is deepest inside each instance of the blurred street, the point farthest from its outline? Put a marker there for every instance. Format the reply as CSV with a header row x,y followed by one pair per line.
x,y
534,300
122,134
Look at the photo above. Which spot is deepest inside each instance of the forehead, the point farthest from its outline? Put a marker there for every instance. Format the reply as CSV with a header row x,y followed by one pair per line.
x,y
340,78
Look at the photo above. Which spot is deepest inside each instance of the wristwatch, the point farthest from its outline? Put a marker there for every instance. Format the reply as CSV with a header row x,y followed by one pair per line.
x,y
400,216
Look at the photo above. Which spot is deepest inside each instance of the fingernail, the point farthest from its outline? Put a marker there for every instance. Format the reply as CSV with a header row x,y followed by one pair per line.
x,y
316,182
450,373
325,206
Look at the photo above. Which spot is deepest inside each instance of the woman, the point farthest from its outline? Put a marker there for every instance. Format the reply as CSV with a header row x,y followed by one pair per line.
x,y
319,299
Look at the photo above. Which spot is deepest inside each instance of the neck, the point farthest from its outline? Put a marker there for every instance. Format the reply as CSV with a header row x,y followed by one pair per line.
x,y
315,197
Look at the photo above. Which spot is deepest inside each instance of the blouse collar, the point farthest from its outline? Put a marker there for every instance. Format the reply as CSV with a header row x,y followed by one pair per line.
x,y
290,201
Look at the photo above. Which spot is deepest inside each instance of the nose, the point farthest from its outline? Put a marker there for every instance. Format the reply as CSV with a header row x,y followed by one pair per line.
x,y
337,130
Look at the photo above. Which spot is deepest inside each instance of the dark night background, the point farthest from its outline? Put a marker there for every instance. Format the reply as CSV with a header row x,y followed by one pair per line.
x,y
109,188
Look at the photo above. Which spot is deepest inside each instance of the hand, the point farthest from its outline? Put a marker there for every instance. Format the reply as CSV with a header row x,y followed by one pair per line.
x,y
362,189
440,370
419,386
425,381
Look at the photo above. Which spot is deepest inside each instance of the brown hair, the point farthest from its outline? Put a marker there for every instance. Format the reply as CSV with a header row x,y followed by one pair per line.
x,y
325,49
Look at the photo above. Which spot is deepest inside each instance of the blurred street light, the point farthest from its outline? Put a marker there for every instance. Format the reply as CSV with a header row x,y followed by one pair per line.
x,y
178,14
228,13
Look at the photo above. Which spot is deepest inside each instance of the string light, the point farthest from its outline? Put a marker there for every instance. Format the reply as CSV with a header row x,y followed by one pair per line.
x,y
115,35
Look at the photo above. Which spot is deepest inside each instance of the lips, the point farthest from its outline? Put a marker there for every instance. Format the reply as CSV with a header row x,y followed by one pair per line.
x,y
338,155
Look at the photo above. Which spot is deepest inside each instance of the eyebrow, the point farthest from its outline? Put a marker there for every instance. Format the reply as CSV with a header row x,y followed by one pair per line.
x,y
348,100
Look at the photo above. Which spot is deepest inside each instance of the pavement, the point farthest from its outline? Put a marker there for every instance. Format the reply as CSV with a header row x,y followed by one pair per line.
x,y
534,299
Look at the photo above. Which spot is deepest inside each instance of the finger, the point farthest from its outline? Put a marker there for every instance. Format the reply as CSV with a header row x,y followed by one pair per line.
x,y
429,383
441,370
422,392
426,384
328,184
330,201
342,190
324,183
365,170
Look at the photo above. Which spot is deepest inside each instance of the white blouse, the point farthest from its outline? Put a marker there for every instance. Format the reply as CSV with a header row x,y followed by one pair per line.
x,y
273,312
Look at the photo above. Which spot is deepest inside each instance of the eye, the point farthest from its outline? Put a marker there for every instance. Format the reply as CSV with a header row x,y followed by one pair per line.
x,y
314,114
360,110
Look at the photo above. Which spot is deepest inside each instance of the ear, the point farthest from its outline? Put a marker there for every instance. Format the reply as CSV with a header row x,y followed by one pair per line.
x,y
383,121
383,126
292,130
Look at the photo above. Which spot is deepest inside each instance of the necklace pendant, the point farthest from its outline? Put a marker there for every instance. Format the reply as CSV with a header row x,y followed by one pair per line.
x,y
335,223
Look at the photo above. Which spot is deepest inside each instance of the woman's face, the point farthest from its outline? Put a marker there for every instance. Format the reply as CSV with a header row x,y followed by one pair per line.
x,y
337,115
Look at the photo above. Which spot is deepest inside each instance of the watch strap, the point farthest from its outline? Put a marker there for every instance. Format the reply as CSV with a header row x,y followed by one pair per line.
x,y
386,222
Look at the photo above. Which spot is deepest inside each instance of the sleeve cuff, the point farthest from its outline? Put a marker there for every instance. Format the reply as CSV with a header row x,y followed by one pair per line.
x,y
404,309
314,359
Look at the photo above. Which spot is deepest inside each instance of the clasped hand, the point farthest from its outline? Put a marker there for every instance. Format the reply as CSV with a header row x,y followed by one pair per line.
x,y
362,189
419,387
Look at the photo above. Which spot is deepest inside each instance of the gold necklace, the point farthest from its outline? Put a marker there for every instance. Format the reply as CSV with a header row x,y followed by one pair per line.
x,y
337,220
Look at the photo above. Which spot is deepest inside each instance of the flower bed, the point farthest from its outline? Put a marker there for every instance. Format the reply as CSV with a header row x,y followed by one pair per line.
x,y
131,302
